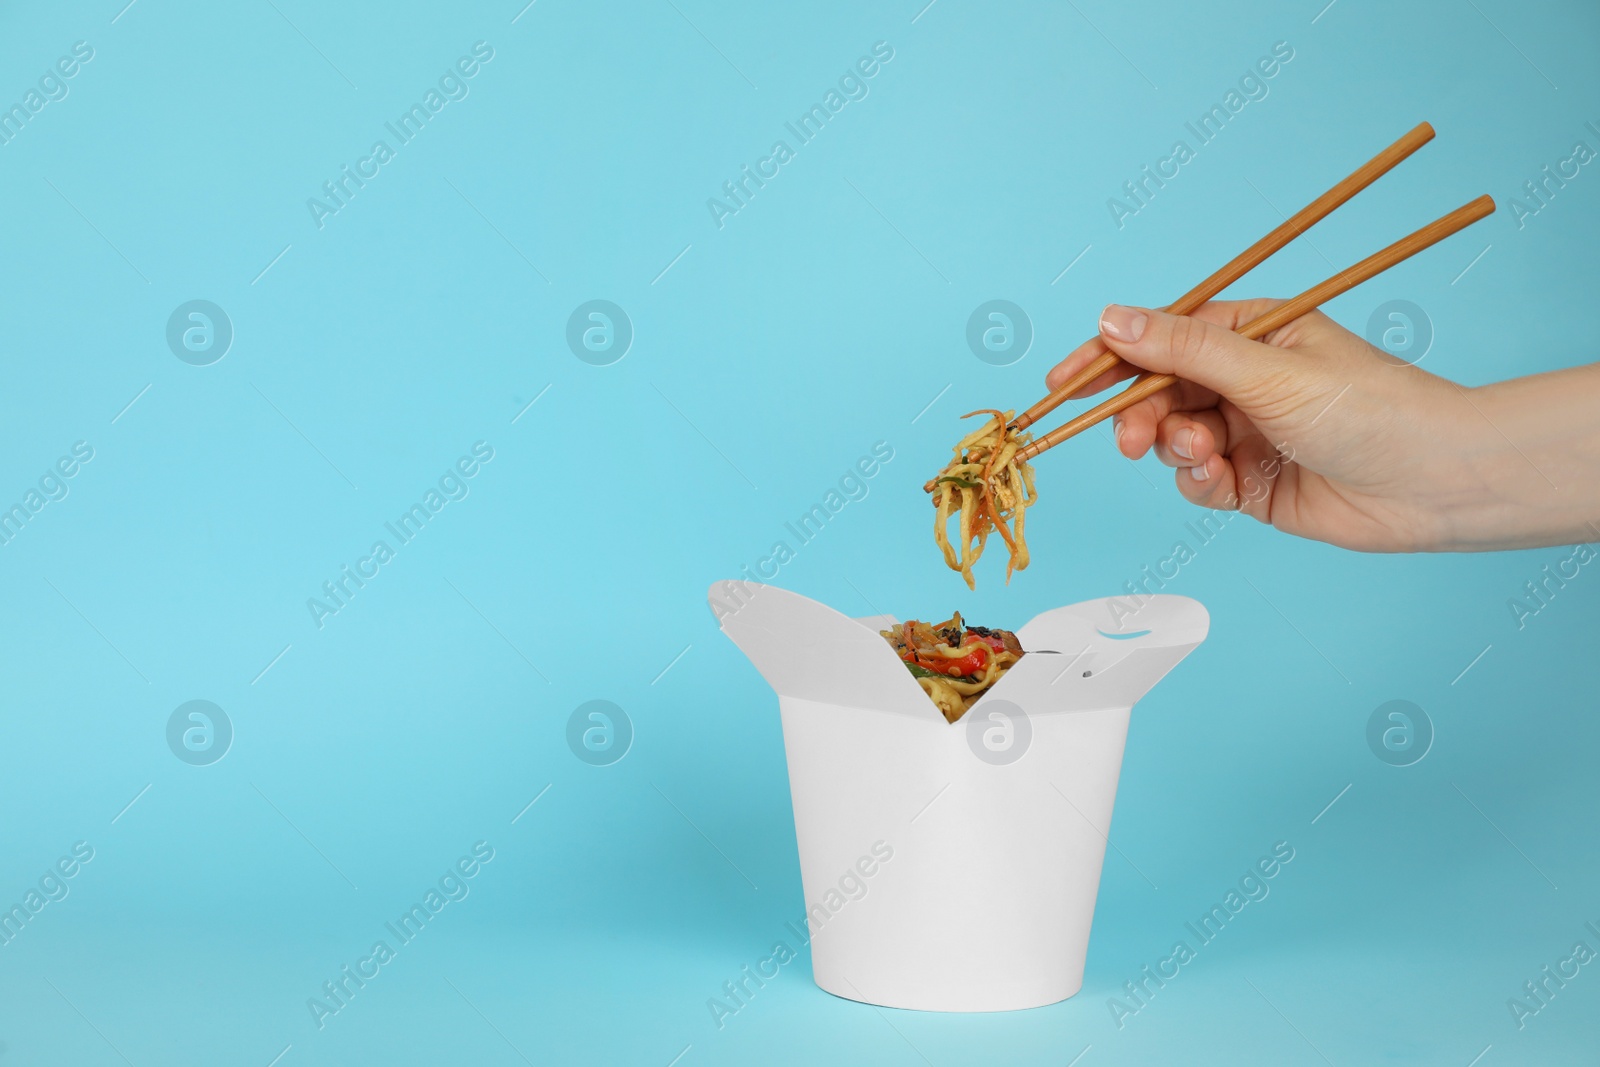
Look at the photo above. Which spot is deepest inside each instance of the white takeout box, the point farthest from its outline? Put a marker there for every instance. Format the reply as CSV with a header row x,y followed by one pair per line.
x,y
995,824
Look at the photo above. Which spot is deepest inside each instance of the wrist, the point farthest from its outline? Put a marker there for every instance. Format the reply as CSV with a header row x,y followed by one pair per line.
x,y
1445,466
1530,464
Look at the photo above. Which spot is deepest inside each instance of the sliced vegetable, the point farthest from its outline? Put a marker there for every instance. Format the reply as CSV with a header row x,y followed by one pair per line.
x,y
952,662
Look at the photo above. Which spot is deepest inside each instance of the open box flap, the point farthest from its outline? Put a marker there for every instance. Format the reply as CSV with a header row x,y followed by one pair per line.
x,y
808,650
1095,654
1106,653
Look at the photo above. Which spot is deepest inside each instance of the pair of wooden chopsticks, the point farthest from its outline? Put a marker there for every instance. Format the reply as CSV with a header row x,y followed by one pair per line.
x,y
1248,260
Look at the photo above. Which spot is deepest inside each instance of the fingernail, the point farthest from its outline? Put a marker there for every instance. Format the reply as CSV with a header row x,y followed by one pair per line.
x,y
1123,323
1117,428
1200,473
1183,442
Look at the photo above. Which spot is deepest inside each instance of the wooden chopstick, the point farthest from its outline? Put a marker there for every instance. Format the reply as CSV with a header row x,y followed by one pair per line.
x,y
1281,315
1249,259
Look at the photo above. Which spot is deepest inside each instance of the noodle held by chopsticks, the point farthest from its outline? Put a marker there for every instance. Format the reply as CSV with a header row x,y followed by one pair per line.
x,y
988,490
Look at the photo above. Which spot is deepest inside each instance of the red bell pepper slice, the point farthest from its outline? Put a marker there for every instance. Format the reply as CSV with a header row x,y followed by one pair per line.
x,y
971,663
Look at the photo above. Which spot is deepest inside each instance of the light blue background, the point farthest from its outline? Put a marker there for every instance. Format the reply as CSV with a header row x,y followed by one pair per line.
x,y
823,317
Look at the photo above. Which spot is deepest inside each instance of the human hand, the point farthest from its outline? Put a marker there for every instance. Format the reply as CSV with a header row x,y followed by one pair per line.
x,y
1314,431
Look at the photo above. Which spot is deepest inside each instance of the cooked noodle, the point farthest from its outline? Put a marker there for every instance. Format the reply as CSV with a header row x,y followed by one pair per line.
x,y
953,663
986,487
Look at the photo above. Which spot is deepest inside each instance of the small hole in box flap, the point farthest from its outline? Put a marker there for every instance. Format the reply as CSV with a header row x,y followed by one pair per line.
x,y
1083,659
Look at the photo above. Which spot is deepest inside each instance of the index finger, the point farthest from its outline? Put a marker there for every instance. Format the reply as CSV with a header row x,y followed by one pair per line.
x,y
1081,357
1227,313
1233,314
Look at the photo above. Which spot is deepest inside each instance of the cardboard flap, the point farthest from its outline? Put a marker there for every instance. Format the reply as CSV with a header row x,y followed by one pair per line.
x,y
1159,621
1115,649
1098,654
808,650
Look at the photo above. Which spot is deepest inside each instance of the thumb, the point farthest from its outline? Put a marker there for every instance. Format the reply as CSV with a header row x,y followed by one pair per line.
x,y
1194,349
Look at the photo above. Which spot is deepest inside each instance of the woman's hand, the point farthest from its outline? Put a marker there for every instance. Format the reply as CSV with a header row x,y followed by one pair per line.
x,y
1322,435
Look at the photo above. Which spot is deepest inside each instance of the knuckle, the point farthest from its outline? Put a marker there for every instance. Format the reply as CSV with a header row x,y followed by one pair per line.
x,y
1262,305
1182,339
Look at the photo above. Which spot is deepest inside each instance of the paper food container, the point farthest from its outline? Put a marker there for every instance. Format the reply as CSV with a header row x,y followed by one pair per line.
x,y
953,866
